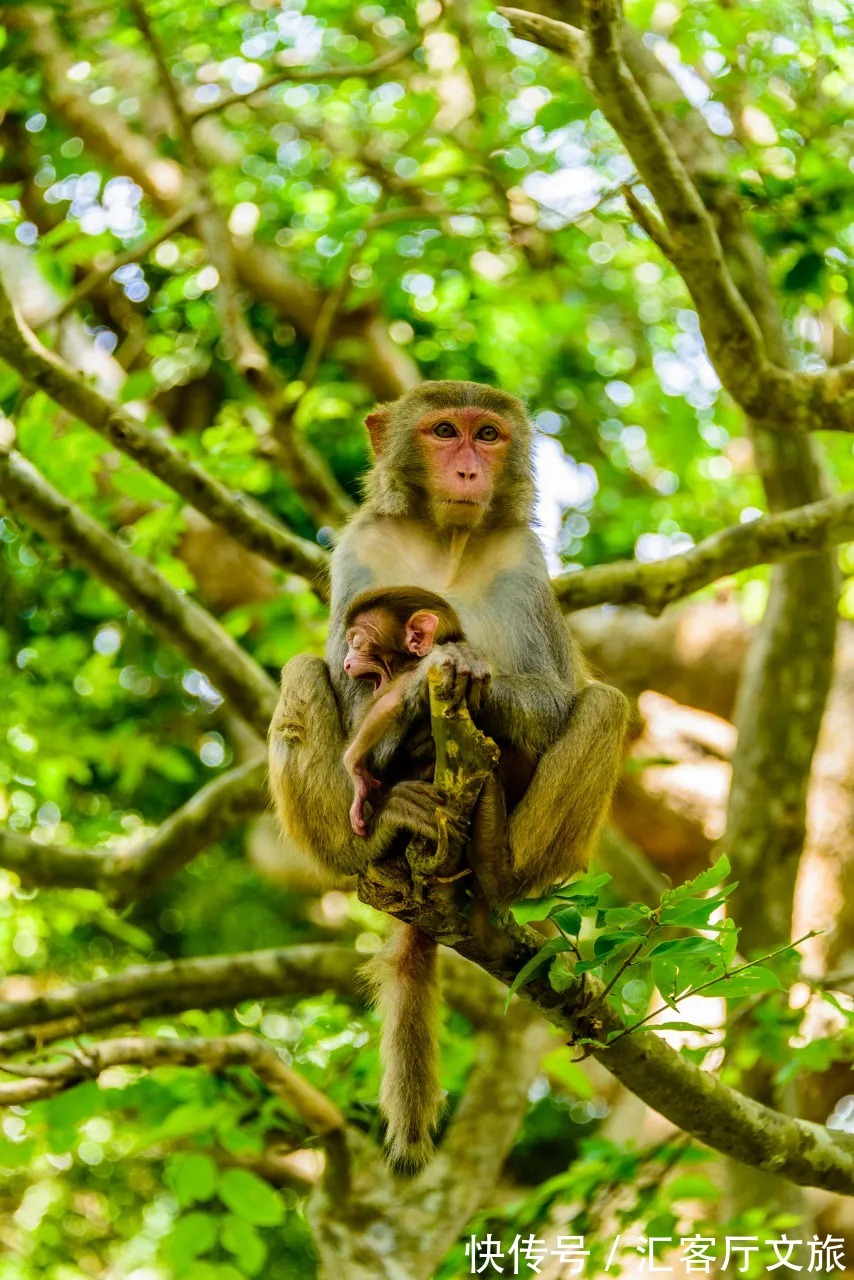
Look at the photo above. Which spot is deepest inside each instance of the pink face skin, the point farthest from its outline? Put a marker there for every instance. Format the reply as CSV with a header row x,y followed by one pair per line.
x,y
464,450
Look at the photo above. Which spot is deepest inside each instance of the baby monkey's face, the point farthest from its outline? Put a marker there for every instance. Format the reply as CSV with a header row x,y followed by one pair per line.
x,y
379,647
370,648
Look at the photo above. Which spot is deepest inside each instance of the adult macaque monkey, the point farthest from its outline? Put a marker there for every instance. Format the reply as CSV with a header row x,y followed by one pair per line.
x,y
388,631
449,507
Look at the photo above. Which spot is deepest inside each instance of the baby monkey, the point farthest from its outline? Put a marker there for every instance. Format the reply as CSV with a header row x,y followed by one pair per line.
x,y
389,631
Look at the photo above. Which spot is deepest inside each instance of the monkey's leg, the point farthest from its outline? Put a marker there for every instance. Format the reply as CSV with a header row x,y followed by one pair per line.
x,y
554,824
312,789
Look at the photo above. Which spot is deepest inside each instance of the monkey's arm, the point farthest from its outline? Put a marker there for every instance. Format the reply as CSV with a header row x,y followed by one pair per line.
x,y
312,789
379,718
382,713
531,711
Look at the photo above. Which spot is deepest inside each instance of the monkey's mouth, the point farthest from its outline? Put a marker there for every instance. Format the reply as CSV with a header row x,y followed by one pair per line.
x,y
373,678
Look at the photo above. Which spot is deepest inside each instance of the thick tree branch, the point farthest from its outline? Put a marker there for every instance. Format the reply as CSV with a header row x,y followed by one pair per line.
x,y
693,1099
201,982
790,534
137,868
213,982
252,527
770,394
178,619
791,661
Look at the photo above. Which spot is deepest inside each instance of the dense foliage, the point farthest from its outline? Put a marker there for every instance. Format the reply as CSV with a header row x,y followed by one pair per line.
x,y
466,201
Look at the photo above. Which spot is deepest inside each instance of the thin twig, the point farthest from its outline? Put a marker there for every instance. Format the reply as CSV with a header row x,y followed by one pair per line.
x,y
312,75
135,253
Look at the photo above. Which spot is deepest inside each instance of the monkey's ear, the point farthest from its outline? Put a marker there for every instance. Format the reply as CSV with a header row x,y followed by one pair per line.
x,y
419,633
377,424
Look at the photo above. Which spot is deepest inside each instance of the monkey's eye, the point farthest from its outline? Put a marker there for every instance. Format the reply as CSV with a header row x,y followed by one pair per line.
x,y
488,433
445,430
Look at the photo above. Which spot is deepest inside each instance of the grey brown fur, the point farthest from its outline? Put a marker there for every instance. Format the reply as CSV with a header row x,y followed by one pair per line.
x,y
530,684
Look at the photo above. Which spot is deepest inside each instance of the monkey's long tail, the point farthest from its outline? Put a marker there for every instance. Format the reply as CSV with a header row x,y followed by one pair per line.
x,y
404,981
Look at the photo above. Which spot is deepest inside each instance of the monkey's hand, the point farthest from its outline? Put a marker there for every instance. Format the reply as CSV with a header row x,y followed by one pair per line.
x,y
363,784
415,807
464,672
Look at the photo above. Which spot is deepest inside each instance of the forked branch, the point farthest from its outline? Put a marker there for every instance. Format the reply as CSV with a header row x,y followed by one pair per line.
x,y
770,395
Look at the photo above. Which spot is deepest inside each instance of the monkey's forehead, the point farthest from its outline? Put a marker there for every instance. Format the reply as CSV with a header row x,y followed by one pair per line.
x,y
371,624
452,395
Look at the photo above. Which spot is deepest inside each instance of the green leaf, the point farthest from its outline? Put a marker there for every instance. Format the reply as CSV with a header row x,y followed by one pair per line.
x,y
546,953
138,385
681,1026
625,915
568,920
530,909
693,913
559,1066
561,973
559,112
250,1198
240,1238
690,1186
584,887
141,486
193,1234
805,274
677,948
191,1176
707,879
728,939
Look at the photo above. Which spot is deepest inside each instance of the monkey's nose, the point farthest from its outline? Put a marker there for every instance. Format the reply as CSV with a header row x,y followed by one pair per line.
x,y
347,665
467,475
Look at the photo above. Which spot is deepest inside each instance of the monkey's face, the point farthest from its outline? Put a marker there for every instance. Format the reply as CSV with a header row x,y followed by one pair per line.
x,y
370,652
464,451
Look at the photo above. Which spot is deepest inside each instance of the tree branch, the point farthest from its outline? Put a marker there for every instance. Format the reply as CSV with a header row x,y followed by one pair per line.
x,y
308,472
178,619
135,869
800,532
254,529
770,394
201,982
251,360
42,1080
693,1099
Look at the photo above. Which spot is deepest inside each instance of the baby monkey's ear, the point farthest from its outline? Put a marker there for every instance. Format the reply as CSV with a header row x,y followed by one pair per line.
x,y
419,632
